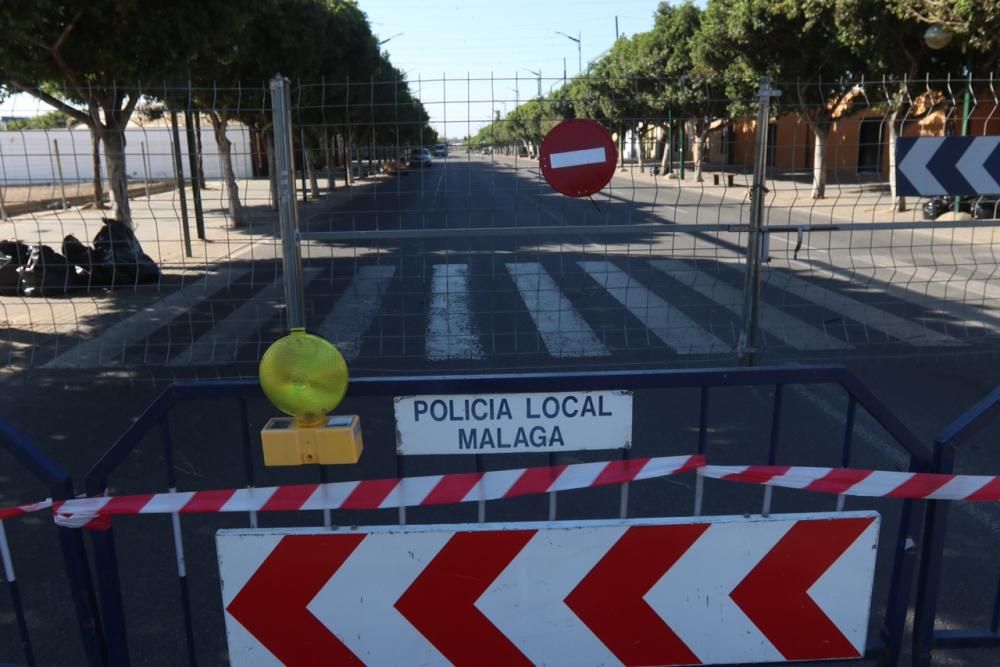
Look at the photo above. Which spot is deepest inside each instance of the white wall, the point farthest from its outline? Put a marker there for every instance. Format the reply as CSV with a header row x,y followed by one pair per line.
x,y
27,156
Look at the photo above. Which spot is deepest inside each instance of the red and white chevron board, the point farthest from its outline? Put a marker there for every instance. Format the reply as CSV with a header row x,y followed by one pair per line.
x,y
637,592
854,482
380,493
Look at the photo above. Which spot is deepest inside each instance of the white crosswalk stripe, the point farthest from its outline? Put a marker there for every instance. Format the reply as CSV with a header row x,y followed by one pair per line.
x,y
933,289
108,347
564,332
451,333
793,331
669,324
221,343
871,316
356,309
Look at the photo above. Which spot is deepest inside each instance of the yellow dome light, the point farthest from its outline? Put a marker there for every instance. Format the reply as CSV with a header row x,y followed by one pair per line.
x,y
305,376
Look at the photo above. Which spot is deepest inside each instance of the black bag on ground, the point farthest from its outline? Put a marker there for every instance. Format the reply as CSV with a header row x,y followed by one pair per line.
x,y
119,252
13,255
47,273
18,252
90,270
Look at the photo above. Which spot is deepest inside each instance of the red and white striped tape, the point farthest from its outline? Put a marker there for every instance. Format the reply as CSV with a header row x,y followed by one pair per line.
x,y
21,510
379,493
465,487
855,482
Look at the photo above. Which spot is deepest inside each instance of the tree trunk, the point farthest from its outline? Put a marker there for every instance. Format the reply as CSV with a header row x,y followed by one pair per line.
x,y
899,203
310,173
197,143
662,134
699,158
95,142
821,130
621,147
114,156
272,170
327,157
640,139
349,158
219,123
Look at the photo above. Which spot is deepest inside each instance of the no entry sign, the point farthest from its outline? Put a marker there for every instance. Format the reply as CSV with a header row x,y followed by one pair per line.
x,y
578,157
635,592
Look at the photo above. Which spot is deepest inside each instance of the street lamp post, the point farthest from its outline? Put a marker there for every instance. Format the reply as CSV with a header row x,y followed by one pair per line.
x,y
538,76
938,37
388,39
579,49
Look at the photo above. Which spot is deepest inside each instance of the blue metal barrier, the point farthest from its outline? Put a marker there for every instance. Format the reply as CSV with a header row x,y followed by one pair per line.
x,y
925,637
71,544
885,647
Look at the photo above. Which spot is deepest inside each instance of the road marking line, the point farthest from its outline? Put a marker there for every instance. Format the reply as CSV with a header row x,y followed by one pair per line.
x,y
578,158
666,322
870,316
356,309
451,334
795,332
923,287
108,346
221,343
563,330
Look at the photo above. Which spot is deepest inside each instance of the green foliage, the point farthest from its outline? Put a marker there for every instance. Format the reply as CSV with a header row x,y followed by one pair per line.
x,y
975,24
53,120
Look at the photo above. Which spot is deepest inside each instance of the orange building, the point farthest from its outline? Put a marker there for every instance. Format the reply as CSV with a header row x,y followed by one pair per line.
x,y
857,143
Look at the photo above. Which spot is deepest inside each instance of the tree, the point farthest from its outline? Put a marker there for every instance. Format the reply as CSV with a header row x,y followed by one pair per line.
x,y
688,85
976,23
47,121
60,52
796,42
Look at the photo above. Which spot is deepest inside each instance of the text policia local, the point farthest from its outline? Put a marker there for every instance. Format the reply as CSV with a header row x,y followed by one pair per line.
x,y
481,415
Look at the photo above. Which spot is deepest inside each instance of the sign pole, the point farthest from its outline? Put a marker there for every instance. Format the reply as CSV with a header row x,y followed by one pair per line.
x,y
288,214
747,346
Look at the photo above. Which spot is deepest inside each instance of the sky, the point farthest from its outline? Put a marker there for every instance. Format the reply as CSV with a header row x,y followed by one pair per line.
x,y
499,45
467,59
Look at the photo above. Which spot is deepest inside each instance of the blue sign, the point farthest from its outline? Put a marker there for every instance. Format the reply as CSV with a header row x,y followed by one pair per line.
x,y
930,166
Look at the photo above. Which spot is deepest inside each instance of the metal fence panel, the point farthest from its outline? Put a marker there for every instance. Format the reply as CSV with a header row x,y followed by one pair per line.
x,y
476,264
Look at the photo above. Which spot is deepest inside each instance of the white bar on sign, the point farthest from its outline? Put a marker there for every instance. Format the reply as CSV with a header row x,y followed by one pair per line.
x,y
577,158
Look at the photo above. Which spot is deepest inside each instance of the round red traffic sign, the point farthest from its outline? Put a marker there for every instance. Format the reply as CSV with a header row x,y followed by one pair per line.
x,y
578,157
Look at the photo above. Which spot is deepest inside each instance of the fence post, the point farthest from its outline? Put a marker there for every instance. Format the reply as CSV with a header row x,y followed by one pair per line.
x,y
199,216
179,172
747,346
288,216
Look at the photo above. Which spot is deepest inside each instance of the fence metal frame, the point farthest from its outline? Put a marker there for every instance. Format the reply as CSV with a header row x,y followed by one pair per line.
x,y
71,543
925,637
885,648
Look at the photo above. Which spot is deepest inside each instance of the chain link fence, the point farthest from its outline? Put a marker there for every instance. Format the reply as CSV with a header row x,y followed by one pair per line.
x,y
463,258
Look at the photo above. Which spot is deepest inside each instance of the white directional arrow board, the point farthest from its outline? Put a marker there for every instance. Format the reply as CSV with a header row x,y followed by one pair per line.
x,y
930,166
677,591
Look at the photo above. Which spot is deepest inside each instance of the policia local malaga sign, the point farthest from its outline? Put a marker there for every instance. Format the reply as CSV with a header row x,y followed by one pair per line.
x,y
513,423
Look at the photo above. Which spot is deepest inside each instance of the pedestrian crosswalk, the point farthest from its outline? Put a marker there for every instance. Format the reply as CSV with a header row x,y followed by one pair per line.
x,y
572,308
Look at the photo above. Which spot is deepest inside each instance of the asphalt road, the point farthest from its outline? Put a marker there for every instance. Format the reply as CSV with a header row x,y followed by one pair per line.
x,y
629,299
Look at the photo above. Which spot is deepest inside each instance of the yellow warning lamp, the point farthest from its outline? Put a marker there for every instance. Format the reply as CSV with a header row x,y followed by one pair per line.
x,y
305,376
